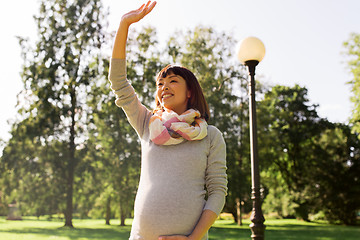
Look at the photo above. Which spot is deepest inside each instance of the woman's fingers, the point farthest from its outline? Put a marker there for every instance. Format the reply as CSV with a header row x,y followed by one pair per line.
x,y
139,9
148,8
151,7
138,14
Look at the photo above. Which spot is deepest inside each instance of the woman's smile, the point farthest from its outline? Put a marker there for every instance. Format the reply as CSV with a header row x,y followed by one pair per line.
x,y
166,96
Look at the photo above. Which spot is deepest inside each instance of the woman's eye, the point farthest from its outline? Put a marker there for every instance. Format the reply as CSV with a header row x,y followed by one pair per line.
x,y
173,80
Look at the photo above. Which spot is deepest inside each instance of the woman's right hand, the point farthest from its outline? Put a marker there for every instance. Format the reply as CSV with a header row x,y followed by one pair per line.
x,y
119,49
136,15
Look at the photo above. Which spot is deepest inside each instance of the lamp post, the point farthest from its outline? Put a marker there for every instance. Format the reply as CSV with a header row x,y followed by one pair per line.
x,y
250,53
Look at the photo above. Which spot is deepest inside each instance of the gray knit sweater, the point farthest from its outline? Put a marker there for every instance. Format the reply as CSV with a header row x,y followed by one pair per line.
x,y
170,196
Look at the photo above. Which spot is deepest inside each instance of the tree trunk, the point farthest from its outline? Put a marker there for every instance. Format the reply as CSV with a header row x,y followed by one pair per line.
x,y
69,196
122,217
122,214
70,168
108,211
238,212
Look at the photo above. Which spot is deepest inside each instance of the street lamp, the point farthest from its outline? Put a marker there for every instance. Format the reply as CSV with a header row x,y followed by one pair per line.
x,y
250,53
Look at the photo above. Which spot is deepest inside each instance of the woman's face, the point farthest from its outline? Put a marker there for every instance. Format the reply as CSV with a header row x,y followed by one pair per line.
x,y
172,93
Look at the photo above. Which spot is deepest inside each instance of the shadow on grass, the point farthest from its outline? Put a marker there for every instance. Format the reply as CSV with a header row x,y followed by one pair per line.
x,y
109,232
222,230
217,233
287,231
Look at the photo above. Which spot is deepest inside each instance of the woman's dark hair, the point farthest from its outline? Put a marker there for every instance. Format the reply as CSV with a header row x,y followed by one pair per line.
x,y
197,100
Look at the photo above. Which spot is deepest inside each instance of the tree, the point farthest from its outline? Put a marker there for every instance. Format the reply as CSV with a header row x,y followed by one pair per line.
x,y
336,174
26,179
288,126
56,76
353,52
310,155
279,200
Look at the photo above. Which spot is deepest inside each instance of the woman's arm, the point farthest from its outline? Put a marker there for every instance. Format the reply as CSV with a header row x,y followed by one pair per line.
x,y
207,219
124,92
119,48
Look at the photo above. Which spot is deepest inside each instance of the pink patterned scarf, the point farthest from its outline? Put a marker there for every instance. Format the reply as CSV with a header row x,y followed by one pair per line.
x,y
169,128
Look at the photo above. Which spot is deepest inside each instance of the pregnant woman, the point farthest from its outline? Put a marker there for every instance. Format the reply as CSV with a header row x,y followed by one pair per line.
x,y
183,179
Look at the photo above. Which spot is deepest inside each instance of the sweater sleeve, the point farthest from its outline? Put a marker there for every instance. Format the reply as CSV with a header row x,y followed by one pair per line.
x,y
126,97
216,178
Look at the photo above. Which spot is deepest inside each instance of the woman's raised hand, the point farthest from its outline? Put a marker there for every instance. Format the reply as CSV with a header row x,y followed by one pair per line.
x,y
119,49
136,15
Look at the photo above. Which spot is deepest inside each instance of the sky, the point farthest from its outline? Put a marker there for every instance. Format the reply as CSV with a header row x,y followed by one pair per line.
x,y
303,41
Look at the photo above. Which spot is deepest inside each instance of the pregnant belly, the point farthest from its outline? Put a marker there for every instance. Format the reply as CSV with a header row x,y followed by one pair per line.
x,y
166,212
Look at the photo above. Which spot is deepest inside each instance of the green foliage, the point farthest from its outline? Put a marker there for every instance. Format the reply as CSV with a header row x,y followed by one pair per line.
x,y
336,175
288,127
48,138
353,53
278,202
318,161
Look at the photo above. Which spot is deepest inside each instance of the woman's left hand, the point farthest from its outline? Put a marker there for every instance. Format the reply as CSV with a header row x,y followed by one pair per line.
x,y
175,237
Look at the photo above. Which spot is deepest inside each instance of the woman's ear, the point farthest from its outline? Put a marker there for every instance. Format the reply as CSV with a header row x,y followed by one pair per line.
x,y
188,94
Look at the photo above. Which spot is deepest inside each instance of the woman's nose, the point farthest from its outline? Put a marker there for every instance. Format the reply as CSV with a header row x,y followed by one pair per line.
x,y
166,86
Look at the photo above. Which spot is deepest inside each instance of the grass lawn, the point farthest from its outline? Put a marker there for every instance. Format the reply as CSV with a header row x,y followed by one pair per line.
x,y
289,229
31,229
